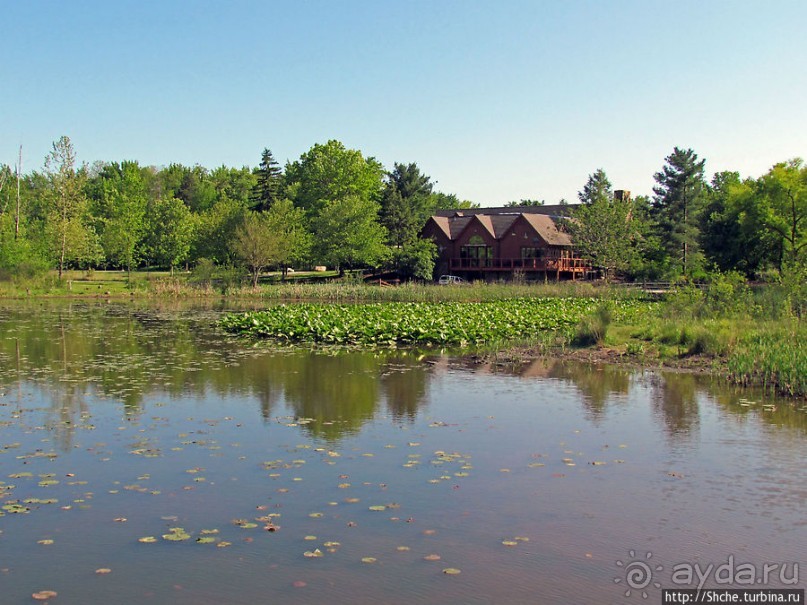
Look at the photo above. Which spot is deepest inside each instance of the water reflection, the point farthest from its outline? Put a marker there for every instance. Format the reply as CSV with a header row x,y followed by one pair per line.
x,y
131,354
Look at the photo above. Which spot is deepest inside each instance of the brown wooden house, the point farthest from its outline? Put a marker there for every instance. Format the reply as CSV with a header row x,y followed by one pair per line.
x,y
500,243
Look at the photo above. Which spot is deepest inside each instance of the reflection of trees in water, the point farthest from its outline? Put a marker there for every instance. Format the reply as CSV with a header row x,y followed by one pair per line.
x,y
675,402
598,385
405,384
130,354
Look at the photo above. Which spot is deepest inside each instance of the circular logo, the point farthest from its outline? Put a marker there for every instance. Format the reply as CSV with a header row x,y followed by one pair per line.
x,y
638,574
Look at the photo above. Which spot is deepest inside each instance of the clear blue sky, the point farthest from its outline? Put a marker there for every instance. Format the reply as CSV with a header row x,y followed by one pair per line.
x,y
494,100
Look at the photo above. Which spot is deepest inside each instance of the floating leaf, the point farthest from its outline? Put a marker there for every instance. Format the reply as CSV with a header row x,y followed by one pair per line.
x,y
378,507
368,560
313,553
147,539
44,595
177,534
432,557
103,570
451,571
205,540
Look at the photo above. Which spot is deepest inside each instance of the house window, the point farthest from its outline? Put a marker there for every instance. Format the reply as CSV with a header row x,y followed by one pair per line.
x,y
530,256
476,253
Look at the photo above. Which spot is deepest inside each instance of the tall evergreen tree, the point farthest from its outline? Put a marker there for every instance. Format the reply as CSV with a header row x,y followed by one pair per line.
x,y
269,188
406,203
677,206
597,189
603,229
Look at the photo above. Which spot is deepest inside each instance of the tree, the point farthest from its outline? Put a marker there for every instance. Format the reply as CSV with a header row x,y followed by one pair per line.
x,y
329,173
524,203
603,229
733,233
269,186
597,189
348,234
255,244
70,237
449,201
677,206
406,203
171,231
215,229
292,239
415,260
120,211
783,193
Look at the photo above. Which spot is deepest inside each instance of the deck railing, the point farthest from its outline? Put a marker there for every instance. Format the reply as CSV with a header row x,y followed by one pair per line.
x,y
575,265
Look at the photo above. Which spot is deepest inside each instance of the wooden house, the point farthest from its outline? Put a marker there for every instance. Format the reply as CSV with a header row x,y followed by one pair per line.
x,y
500,243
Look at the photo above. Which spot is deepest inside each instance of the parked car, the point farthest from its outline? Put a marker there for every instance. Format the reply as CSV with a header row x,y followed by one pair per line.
x,y
447,280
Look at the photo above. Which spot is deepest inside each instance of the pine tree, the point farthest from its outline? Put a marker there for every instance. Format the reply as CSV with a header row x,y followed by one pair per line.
x,y
269,188
597,189
677,206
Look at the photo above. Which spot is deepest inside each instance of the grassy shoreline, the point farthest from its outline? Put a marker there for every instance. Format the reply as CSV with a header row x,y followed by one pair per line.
x,y
752,338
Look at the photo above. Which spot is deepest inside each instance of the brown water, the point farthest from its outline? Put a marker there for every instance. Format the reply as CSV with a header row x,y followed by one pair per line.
x,y
541,484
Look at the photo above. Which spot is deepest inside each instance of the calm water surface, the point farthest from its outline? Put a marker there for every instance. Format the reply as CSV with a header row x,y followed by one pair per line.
x,y
540,484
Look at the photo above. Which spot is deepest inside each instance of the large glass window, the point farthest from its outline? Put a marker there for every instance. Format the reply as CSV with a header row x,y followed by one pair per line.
x,y
476,253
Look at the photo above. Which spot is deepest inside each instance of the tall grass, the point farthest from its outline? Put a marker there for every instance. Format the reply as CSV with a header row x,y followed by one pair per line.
x,y
774,356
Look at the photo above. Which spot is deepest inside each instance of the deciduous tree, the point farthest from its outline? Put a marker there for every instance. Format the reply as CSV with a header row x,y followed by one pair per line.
x,y
69,235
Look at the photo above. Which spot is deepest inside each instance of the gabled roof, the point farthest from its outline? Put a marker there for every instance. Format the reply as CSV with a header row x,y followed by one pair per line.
x,y
498,225
548,229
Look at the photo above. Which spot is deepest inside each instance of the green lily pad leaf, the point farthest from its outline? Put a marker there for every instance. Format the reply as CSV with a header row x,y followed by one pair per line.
x,y
377,507
147,539
205,540
368,560
451,571
310,554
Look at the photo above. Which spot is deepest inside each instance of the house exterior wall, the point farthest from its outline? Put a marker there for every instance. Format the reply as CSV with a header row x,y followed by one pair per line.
x,y
520,235
507,254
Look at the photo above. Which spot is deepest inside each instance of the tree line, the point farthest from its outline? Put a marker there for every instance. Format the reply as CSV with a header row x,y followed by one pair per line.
x,y
333,206
691,227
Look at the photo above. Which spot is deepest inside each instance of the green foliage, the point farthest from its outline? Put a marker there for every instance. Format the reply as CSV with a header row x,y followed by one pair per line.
x,y
783,193
215,229
329,173
406,203
349,235
419,323
270,184
597,189
170,232
606,231
775,357
678,203
591,329
67,229
415,260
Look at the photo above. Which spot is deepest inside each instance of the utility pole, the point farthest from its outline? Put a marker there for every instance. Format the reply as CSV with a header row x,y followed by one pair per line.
x,y
17,215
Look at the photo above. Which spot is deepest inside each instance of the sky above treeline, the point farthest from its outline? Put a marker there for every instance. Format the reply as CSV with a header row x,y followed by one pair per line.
x,y
496,101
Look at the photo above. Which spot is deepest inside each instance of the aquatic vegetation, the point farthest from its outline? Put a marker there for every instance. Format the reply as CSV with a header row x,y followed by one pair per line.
x,y
421,323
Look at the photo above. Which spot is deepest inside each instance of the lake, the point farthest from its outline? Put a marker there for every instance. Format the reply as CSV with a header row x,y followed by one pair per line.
x,y
146,457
